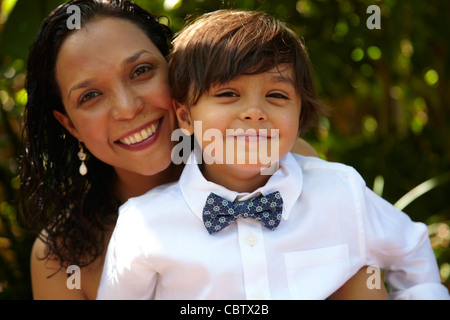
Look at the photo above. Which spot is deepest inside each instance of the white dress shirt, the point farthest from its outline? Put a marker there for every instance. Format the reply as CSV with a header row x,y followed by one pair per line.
x,y
332,225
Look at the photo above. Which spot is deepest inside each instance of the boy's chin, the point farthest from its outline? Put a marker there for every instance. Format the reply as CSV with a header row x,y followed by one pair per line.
x,y
247,169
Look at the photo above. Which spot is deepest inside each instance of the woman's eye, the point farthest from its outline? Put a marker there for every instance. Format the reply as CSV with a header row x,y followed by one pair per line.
x,y
140,71
88,96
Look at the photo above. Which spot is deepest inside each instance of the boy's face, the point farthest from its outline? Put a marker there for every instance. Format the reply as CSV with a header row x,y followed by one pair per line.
x,y
248,112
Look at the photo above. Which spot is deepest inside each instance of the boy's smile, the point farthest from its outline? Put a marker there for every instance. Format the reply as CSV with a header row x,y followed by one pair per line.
x,y
250,109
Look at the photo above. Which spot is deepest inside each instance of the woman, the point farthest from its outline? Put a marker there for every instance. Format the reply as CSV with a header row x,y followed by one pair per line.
x,y
98,101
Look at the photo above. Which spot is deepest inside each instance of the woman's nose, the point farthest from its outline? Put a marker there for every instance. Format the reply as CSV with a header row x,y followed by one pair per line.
x,y
127,105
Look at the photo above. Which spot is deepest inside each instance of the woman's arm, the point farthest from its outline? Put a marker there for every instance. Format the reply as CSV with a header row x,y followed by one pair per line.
x,y
304,148
49,282
356,288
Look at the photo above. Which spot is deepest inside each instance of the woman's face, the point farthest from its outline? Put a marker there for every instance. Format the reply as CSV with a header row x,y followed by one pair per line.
x,y
114,87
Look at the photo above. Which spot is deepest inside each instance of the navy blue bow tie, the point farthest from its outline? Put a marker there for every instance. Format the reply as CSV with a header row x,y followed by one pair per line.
x,y
219,213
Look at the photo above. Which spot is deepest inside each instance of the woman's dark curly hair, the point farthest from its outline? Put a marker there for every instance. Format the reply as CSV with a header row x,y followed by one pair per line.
x,y
70,212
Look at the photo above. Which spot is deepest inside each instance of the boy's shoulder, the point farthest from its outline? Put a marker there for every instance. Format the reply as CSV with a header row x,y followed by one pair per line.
x,y
156,196
315,165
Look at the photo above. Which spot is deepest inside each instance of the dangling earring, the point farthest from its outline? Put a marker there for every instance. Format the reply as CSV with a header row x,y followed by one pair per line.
x,y
82,156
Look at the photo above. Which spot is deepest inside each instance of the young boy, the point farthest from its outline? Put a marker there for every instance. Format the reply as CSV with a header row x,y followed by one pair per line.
x,y
226,231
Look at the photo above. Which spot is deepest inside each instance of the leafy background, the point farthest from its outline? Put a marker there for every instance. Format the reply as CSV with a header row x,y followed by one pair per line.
x,y
387,90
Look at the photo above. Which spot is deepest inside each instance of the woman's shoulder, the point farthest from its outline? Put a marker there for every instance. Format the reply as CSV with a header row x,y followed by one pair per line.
x,y
49,280
52,282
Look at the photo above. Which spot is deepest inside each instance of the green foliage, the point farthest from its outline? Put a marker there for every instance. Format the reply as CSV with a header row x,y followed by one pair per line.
x,y
387,91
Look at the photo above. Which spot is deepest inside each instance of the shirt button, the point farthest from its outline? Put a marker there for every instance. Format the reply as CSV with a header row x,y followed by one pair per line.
x,y
251,240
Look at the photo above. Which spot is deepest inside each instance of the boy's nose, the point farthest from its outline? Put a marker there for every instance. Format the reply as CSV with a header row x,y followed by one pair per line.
x,y
254,113
253,110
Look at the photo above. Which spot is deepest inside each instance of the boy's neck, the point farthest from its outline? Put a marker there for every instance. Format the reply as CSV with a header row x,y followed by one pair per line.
x,y
234,179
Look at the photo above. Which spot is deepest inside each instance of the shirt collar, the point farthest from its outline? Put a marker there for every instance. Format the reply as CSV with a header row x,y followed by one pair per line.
x,y
288,180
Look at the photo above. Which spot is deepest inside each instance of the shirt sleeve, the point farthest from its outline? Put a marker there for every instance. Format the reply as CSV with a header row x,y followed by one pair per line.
x,y
127,275
401,247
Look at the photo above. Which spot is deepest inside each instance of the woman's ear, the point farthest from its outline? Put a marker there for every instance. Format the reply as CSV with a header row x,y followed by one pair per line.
x,y
66,123
184,118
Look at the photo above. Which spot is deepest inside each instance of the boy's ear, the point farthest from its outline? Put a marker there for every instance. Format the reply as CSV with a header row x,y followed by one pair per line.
x,y
66,123
184,117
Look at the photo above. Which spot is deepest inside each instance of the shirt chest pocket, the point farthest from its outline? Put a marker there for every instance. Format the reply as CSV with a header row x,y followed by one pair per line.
x,y
316,273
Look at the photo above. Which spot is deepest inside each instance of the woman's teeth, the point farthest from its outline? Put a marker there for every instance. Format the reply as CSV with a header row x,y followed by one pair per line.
x,y
140,136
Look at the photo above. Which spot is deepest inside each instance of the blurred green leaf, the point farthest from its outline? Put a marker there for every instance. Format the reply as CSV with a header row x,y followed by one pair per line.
x,y
22,25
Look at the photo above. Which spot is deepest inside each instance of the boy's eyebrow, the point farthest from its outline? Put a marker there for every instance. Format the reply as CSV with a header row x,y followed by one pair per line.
x,y
279,78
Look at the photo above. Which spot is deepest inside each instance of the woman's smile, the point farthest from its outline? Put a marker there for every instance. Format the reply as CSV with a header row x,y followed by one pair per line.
x,y
141,137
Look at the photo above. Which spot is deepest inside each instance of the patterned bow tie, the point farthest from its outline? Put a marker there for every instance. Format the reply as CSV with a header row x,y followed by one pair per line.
x,y
219,213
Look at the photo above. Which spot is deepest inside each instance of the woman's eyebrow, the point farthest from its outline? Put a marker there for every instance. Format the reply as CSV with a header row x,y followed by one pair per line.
x,y
126,62
134,57
80,85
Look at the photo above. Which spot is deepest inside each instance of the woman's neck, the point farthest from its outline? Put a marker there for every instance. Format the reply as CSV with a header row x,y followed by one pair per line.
x,y
130,184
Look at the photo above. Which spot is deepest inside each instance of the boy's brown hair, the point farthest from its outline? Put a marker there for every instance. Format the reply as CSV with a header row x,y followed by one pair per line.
x,y
219,46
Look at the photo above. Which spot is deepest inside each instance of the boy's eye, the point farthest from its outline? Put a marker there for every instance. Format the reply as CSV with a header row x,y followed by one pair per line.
x,y
277,95
88,96
226,94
